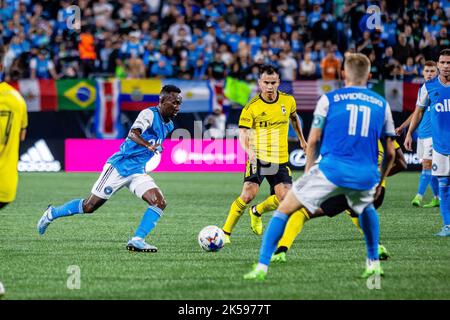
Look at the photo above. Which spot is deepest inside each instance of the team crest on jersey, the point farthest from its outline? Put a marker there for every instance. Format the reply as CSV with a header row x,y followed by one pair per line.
x,y
434,167
283,109
108,190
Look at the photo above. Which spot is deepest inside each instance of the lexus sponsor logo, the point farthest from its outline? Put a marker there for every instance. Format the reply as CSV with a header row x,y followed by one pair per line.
x,y
297,158
38,157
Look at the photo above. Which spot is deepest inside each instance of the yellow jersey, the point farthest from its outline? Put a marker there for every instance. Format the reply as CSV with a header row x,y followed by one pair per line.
x,y
13,118
381,157
269,124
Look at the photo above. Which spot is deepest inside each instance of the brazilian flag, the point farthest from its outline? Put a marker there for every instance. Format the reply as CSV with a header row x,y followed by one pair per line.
x,y
76,94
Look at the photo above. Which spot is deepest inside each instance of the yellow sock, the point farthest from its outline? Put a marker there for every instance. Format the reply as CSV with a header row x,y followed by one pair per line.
x,y
236,210
293,227
355,220
270,204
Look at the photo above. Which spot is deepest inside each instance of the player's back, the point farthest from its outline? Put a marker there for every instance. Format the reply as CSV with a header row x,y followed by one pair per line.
x,y
355,120
13,118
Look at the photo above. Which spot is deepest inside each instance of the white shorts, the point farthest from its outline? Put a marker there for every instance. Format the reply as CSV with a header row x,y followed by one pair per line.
x,y
425,149
313,188
111,181
441,164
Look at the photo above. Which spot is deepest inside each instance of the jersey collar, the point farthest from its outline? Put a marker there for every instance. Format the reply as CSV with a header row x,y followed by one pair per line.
x,y
440,81
278,95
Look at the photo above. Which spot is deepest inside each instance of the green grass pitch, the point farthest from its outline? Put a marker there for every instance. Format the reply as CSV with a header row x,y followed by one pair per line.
x,y
324,263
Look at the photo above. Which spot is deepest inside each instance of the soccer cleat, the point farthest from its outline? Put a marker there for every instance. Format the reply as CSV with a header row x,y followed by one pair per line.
x,y
258,275
227,239
383,253
445,232
279,257
416,201
44,221
434,203
256,221
140,246
372,268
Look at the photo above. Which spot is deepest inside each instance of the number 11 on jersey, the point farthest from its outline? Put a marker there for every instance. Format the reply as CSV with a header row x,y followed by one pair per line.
x,y
354,114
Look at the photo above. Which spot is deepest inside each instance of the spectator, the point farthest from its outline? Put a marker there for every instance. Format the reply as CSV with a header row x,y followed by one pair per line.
x,y
410,70
288,67
403,50
135,68
215,125
42,67
161,69
307,68
330,67
88,55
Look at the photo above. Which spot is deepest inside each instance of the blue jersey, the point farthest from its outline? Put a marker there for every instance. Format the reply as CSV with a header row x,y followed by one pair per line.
x,y
436,96
132,158
424,129
355,119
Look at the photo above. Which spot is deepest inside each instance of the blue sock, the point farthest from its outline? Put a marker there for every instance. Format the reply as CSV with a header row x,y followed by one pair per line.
x,y
444,193
435,185
371,227
68,209
272,235
148,222
424,181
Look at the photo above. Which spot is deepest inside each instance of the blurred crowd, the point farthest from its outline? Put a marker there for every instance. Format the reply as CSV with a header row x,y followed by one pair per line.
x,y
209,39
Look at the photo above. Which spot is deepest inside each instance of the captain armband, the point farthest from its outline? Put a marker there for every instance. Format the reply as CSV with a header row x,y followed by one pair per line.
x,y
318,122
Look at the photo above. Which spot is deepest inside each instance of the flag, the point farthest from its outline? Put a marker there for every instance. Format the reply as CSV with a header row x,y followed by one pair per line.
x,y
238,91
197,95
139,94
76,94
402,96
40,95
219,100
107,111
307,93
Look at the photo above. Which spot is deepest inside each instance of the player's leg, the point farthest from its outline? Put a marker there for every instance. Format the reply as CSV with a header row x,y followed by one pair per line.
x,y
144,187
423,150
434,183
307,192
252,181
361,202
108,182
441,169
280,183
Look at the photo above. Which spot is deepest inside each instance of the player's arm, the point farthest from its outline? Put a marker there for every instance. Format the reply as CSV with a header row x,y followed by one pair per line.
x,y
422,102
246,122
404,125
389,155
143,121
400,163
297,125
315,134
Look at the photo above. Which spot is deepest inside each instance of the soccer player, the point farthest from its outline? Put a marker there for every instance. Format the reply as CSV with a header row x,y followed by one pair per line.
x,y
347,124
335,206
13,125
126,168
263,134
424,148
435,96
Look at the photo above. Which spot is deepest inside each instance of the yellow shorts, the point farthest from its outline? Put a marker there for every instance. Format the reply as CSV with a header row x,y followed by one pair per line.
x,y
8,186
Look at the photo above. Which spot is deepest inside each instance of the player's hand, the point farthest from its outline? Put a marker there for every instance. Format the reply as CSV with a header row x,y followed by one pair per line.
x,y
399,130
378,191
154,148
408,142
252,157
303,145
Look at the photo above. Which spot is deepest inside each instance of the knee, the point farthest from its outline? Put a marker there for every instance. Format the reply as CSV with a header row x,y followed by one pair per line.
x,y
89,207
247,197
156,200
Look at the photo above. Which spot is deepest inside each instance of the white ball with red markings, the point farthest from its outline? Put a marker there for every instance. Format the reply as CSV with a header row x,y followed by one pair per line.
x,y
211,238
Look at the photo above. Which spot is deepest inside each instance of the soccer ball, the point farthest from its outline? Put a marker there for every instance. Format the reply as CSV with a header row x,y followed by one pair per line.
x,y
211,238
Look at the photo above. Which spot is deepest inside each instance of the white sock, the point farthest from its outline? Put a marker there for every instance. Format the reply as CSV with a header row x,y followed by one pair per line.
x,y
137,239
262,267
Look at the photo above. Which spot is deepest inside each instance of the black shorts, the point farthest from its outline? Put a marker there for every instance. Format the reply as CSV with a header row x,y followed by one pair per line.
x,y
275,173
335,205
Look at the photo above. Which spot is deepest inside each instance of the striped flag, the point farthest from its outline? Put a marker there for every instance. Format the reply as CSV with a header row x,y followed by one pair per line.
x,y
107,110
197,95
307,93
139,94
402,96
40,95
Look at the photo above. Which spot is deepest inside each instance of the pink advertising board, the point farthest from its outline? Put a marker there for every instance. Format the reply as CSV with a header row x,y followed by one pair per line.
x,y
188,155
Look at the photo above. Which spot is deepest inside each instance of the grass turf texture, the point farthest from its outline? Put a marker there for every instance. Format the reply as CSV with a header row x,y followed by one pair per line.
x,y
324,263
